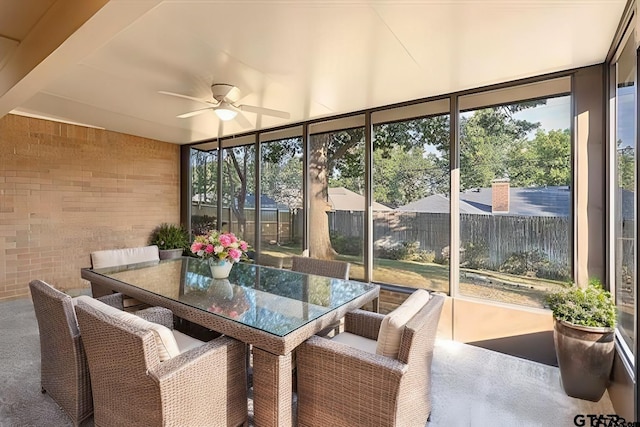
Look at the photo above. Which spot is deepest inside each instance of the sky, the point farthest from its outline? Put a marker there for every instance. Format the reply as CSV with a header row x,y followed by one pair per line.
x,y
555,115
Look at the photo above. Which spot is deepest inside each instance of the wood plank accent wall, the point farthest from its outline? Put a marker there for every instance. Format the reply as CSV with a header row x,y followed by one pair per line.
x,y
68,190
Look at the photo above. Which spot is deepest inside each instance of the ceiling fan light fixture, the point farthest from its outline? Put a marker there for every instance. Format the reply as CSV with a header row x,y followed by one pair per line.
x,y
225,112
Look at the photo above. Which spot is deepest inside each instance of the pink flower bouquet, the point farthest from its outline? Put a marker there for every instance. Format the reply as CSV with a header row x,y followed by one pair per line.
x,y
220,246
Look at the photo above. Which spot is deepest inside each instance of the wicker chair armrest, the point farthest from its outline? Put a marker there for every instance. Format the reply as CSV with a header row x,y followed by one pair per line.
x,y
193,363
199,386
329,371
160,315
363,323
114,300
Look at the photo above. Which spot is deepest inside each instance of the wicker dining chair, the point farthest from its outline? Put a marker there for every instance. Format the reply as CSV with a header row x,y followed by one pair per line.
x,y
269,260
322,267
123,256
349,383
64,374
149,375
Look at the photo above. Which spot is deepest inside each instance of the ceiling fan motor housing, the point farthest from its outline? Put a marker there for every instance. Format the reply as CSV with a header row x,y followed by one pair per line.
x,y
221,91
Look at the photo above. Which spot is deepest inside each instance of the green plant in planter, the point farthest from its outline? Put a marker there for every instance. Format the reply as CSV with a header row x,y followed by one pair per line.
x,y
583,336
590,306
169,236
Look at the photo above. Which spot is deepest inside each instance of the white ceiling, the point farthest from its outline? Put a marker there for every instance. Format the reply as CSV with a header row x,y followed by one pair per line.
x,y
103,63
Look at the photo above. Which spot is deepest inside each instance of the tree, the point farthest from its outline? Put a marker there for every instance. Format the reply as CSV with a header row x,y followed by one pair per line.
x,y
487,139
238,178
204,180
626,166
552,153
407,175
281,174
339,157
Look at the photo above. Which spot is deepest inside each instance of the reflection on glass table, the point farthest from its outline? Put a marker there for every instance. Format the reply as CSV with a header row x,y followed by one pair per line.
x,y
274,300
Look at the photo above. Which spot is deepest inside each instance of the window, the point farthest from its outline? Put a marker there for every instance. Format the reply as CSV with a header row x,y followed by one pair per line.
x,y
204,190
411,203
515,200
281,196
336,197
238,192
625,190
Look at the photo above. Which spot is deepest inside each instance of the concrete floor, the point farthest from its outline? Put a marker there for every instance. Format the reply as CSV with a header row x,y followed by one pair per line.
x,y
472,386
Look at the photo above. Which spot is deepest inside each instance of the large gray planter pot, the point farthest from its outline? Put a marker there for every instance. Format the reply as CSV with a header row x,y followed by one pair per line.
x,y
170,253
585,357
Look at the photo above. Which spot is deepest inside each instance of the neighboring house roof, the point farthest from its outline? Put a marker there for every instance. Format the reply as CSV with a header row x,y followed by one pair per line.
x,y
437,203
342,199
534,201
525,201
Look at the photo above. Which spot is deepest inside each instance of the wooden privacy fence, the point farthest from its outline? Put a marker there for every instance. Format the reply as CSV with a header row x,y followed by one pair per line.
x,y
277,224
501,235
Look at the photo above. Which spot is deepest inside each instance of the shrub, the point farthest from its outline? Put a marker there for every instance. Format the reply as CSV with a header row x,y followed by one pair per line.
x,y
532,263
169,236
405,251
554,271
476,255
590,306
202,224
346,245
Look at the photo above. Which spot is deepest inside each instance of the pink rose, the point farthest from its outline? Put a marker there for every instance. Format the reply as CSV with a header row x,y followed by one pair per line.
x,y
243,245
195,247
209,249
235,254
225,240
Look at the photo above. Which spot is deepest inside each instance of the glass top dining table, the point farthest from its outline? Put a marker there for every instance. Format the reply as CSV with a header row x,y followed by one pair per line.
x,y
272,309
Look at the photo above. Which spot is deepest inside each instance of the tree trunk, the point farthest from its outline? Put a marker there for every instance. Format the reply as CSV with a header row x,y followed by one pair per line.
x,y
319,242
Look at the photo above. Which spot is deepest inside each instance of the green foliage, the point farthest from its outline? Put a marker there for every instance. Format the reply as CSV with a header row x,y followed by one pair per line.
x,y
202,224
281,173
487,138
590,306
204,166
346,245
554,271
476,255
525,263
406,251
534,263
552,152
626,166
169,236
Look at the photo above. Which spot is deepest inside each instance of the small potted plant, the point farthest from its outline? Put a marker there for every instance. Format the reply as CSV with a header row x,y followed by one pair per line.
x,y
171,240
584,323
221,250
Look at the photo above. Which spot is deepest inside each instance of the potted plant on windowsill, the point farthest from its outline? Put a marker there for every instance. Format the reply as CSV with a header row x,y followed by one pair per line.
x,y
584,323
171,240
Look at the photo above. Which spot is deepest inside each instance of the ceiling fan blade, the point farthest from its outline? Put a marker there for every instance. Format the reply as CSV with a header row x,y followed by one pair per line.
x,y
192,98
243,121
193,113
266,111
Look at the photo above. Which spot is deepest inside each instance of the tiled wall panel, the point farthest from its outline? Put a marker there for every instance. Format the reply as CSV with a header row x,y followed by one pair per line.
x,y
67,190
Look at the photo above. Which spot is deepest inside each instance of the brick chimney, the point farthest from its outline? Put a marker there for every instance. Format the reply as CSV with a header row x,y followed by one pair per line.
x,y
500,195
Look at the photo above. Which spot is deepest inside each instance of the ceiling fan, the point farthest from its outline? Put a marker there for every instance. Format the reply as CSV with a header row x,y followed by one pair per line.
x,y
224,104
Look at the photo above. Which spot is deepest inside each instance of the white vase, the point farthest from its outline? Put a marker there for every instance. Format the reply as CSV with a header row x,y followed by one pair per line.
x,y
220,269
